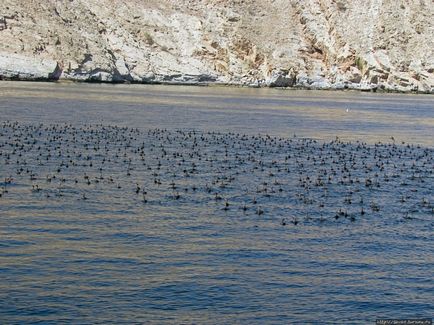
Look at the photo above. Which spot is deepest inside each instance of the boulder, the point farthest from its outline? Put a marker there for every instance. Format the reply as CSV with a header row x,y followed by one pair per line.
x,y
281,79
21,67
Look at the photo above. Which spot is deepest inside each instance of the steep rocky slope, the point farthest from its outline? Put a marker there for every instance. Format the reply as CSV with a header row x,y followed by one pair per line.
x,y
372,44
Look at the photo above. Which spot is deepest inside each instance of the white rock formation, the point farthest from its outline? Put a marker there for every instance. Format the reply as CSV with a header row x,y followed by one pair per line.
x,y
325,44
15,66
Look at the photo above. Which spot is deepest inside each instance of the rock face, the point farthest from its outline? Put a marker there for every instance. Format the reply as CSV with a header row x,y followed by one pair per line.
x,y
15,66
322,44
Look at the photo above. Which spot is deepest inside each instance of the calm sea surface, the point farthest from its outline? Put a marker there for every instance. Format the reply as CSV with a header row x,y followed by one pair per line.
x,y
193,205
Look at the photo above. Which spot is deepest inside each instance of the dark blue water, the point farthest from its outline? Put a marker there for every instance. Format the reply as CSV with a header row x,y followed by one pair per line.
x,y
104,219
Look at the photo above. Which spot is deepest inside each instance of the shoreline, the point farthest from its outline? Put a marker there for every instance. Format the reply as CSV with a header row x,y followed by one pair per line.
x,y
218,85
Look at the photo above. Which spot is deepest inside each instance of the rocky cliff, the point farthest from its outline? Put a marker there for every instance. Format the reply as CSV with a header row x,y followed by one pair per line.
x,y
325,44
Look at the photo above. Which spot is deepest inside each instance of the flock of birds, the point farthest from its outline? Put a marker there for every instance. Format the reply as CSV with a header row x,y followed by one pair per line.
x,y
294,180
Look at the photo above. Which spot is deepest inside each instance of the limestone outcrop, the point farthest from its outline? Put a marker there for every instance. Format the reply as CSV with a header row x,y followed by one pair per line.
x,y
320,44
15,66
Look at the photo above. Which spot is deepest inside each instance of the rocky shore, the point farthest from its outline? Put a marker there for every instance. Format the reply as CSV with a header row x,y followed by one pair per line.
x,y
314,44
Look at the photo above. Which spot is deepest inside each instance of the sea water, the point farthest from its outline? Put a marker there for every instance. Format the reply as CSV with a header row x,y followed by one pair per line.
x,y
194,205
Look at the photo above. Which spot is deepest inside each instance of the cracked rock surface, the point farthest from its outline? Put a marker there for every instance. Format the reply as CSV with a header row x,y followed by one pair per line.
x,y
320,44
